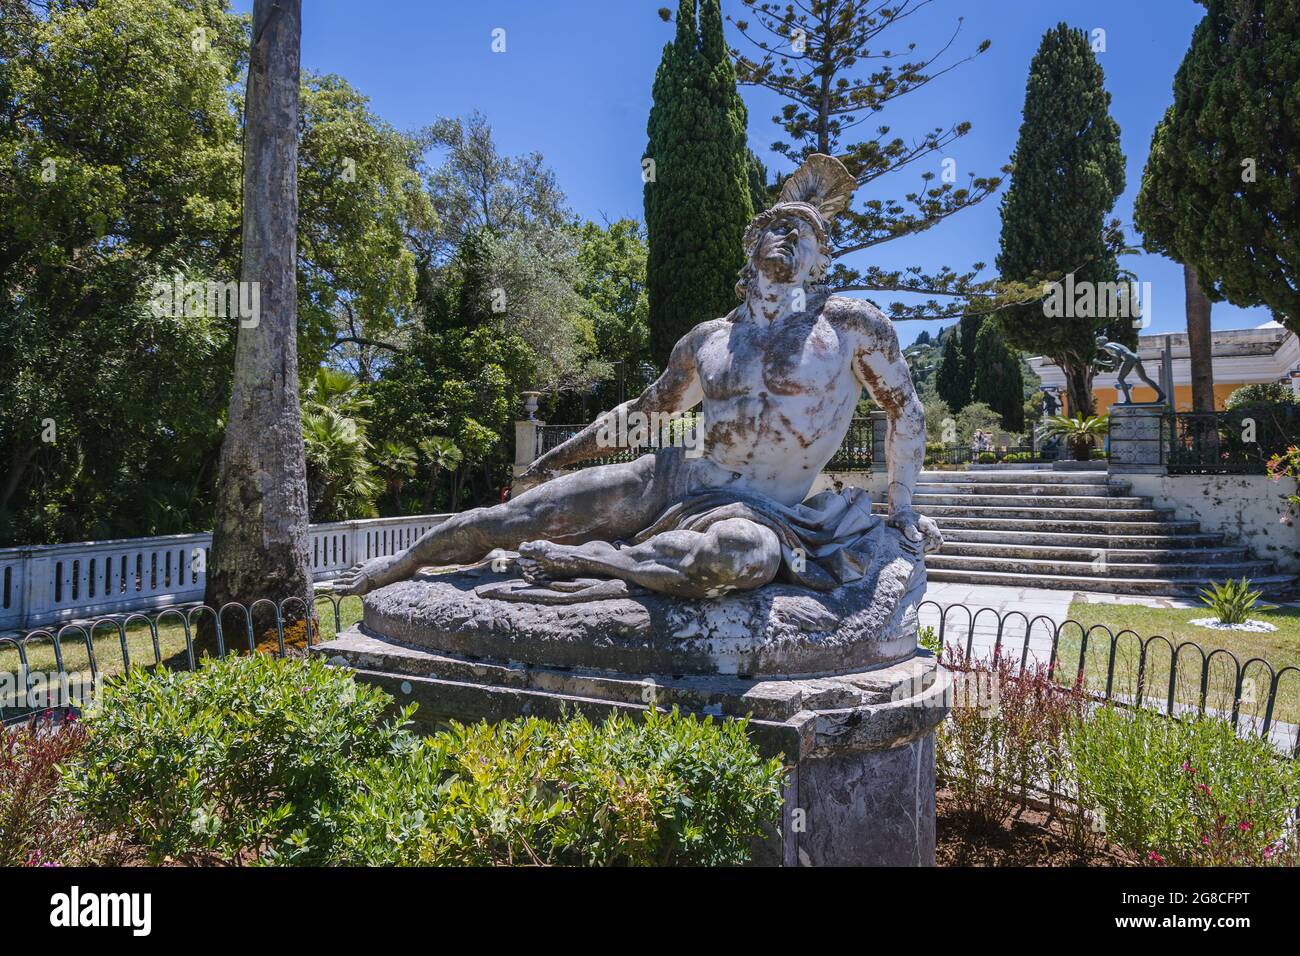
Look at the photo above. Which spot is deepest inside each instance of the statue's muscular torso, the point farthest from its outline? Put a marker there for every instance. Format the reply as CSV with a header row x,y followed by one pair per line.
x,y
778,398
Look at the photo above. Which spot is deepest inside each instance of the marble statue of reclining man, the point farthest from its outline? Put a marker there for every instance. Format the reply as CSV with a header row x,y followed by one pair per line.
x,y
778,380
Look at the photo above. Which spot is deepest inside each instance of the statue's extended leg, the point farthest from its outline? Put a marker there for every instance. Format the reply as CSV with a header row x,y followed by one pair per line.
x,y
1142,374
606,502
1122,381
733,555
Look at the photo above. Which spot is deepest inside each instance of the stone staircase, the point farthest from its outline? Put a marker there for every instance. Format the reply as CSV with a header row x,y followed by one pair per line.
x,y
1074,530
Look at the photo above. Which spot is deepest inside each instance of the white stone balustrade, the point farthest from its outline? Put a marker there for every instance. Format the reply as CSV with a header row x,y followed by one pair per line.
x,y
54,583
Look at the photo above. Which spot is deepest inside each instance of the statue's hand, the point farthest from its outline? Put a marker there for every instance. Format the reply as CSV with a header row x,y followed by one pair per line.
x,y
917,529
535,475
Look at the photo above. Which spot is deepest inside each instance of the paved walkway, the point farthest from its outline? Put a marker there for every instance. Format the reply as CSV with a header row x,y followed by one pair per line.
x,y
1033,603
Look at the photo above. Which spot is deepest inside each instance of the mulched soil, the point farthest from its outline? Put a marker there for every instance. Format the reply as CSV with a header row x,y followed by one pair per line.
x,y
1030,838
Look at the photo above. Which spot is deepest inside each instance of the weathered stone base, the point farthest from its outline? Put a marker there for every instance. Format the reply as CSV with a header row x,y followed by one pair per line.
x,y
860,745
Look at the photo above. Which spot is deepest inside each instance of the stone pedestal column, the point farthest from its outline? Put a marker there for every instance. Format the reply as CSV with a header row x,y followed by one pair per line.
x,y
1135,439
528,436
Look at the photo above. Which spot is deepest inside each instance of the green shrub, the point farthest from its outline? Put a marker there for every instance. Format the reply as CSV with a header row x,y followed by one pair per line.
x,y
1018,456
1231,601
224,763
1261,393
1184,792
666,789
987,457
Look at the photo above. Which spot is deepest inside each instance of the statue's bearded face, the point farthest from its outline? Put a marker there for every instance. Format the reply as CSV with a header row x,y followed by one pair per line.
x,y
787,251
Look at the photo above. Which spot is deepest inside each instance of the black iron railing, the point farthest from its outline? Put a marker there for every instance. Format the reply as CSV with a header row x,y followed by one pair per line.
x,y
1240,441
966,454
1178,678
855,452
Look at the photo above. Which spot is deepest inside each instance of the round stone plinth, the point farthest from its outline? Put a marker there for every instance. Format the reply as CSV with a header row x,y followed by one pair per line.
x,y
780,630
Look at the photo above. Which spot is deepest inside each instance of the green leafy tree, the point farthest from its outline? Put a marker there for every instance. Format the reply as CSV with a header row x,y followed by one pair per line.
x,y
612,286
358,196
113,182
1067,172
697,203
119,184
952,378
1221,189
836,66
997,382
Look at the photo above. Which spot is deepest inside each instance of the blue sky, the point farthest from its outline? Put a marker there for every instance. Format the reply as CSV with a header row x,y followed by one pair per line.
x,y
574,84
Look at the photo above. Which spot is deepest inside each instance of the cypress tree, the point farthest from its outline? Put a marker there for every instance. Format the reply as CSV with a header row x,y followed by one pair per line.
x,y
1067,171
1221,189
697,204
952,379
999,383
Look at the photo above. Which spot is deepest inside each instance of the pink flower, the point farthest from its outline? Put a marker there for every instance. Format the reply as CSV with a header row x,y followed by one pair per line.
x,y
1155,857
1244,825
1203,788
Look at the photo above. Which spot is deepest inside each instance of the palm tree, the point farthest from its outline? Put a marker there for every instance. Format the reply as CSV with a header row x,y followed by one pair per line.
x,y
441,454
1077,432
396,463
340,479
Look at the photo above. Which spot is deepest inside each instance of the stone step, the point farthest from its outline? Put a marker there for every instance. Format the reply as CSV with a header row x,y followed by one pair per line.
x,y
1187,539
993,512
993,501
1002,551
1114,489
1270,585
1072,525
1195,571
1017,477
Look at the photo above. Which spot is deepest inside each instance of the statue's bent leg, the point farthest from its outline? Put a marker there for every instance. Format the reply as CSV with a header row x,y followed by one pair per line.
x,y
603,502
733,555
1142,374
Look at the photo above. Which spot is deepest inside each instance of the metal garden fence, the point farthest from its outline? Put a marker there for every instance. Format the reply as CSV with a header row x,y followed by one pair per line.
x,y
1179,678
1239,441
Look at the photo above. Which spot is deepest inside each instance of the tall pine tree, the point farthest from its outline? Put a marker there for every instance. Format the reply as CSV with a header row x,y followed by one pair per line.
x,y
697,203
998,382
952,379
1221,190
1067,172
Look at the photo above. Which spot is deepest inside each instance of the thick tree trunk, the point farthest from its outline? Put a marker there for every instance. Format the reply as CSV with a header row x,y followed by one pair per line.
x,y
1078,387
1198,342
259,533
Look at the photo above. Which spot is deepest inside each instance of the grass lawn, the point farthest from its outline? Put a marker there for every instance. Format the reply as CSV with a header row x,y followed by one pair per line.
x,y
139,642
1281,648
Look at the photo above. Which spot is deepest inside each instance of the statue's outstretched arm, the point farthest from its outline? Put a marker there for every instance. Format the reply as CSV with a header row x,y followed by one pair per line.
x,y
882,368
675,391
